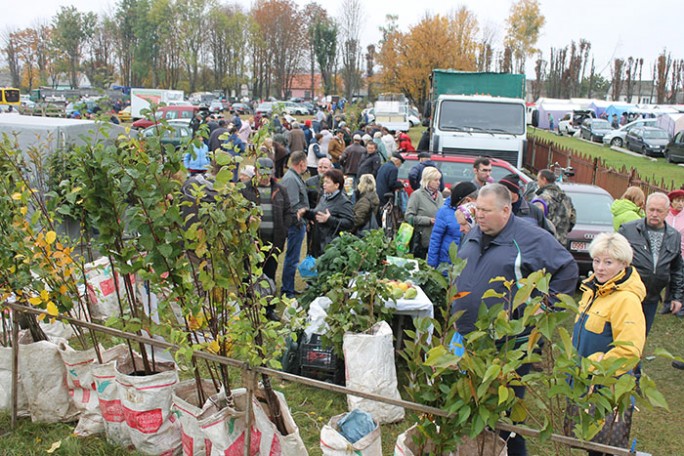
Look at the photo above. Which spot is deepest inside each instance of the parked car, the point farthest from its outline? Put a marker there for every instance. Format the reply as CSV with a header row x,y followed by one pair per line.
x,y
241,108
168,113
414,117
647,140
594,129
125,114
457,168
264,108
217,106
592,204
617,137
295,109
572,121
674,152
175,133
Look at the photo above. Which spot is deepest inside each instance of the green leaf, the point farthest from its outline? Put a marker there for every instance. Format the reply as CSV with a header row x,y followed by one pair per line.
x,y
518,413
492,294
440,357
222,178
503,394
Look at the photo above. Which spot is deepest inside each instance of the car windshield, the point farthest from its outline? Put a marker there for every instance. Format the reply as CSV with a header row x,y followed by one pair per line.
x,y
601,125
454,172
482,116
592,208
655,134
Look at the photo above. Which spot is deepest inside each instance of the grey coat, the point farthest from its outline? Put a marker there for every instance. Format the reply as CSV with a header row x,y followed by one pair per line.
x,y
420,209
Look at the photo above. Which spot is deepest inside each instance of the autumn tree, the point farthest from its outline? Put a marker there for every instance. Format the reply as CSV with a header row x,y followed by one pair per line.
x,y
435,42
676,79
524,25
12,56
313,13
227,41
72,29
98,64
26,41
193,18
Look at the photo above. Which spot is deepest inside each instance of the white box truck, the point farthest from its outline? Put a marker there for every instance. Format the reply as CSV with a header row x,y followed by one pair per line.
x,y
144,98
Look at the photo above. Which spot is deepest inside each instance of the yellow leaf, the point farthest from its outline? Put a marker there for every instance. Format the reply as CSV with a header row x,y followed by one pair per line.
x,y
44,295
63,289
213,347
55,446
35,301
16,196
52,309
50,237
23,210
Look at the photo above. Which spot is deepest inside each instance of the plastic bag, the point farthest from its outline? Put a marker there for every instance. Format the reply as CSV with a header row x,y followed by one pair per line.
x,y
334,444
307,268
369,364
403,238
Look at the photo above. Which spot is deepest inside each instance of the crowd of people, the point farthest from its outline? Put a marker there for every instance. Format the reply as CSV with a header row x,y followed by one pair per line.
x,y
317,179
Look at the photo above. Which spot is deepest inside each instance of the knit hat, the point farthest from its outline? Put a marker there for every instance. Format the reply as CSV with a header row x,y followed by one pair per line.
x,y
675,194
265,164
511,182
307,122
248,171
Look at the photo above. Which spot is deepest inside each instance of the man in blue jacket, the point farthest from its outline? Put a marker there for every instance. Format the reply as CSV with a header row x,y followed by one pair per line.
x,y
503,245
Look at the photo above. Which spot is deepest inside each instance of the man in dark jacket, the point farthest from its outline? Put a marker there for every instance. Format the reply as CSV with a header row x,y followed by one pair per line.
x,y
387,181
296,191
416,172
657,255
370,163
351,157
215,142
275,220
521,208
503,245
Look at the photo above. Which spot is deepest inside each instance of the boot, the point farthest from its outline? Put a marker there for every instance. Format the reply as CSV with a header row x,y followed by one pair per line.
x,y
271,313
678,365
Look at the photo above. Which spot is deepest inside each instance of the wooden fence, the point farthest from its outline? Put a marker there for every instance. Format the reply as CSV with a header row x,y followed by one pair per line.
x,y
542,153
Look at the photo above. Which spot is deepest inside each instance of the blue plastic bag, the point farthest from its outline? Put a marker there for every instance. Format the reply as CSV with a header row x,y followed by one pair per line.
x,y
356,424
307,268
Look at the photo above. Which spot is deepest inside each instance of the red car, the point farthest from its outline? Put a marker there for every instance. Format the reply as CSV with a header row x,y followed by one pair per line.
x,y
168,113
458,168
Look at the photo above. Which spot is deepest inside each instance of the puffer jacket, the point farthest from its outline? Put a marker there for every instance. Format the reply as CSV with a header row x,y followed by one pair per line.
x,y
609,313
624,211
341,219
668,271
445,231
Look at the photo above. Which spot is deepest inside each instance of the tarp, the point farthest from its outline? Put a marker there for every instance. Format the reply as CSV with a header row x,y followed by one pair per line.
x,y
557,109
671,123
619,108
599,107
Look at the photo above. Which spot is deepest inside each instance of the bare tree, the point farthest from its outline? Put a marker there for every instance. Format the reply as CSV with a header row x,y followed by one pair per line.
x,y
616,81
370,63
12,55
351,22
676,78
661,74
540,75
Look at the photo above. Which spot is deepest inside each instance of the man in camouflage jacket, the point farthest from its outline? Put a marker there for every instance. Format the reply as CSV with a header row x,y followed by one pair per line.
x,y
556,204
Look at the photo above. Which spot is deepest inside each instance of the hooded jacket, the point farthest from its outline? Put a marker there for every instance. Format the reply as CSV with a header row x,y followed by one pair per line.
x,y
611,312
624,211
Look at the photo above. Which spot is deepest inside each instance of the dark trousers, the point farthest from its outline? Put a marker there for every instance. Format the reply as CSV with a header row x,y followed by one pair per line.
x,y
650,306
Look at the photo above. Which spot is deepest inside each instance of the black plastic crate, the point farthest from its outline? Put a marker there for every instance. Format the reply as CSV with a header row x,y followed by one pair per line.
x,y
320,363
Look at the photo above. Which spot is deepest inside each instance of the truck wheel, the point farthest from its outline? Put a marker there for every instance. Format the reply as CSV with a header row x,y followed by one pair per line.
x,y
617,142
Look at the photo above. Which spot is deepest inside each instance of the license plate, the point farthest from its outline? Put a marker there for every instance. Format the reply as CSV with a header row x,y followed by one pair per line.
x,y
579,246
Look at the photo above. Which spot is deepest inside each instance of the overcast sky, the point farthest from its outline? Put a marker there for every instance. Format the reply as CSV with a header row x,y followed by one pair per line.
x,y
614,28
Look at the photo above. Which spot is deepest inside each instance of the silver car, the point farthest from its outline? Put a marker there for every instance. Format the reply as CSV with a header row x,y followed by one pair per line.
x,y
617,137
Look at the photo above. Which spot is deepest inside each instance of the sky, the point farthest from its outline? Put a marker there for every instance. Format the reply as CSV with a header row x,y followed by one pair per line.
x,y
616,29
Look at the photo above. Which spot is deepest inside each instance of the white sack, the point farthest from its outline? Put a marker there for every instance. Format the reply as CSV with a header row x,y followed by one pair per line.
x,y
6,384
469,447
369,366
186,408
335,444
81,385
102,281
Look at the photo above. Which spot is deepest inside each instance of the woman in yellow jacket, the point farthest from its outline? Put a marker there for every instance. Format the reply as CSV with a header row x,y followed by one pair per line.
x,y
610,308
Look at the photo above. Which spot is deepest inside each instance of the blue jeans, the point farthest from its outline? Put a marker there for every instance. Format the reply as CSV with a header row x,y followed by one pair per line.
x,y
295,238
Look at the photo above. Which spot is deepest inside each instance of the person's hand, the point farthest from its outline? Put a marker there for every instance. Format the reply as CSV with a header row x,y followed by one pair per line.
x,y
300,213
322,217
675,306
432,220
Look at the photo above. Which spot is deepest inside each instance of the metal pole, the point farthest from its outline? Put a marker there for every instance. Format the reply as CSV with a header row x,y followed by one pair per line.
x,y
15,369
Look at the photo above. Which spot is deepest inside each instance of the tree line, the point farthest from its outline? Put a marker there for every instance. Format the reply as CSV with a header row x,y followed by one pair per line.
x,y
198,45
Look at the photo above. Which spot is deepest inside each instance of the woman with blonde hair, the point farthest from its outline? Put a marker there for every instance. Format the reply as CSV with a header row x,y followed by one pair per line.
x,y
629,207
422,208
367,204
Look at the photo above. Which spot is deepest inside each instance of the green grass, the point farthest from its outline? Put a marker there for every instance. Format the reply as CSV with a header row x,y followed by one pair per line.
x,y
658,431
651,169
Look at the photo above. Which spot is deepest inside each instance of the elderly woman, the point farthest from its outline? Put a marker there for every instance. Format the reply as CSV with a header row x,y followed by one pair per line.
x,y
629,207
332,215
367,204
611,322
421,210
447,229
